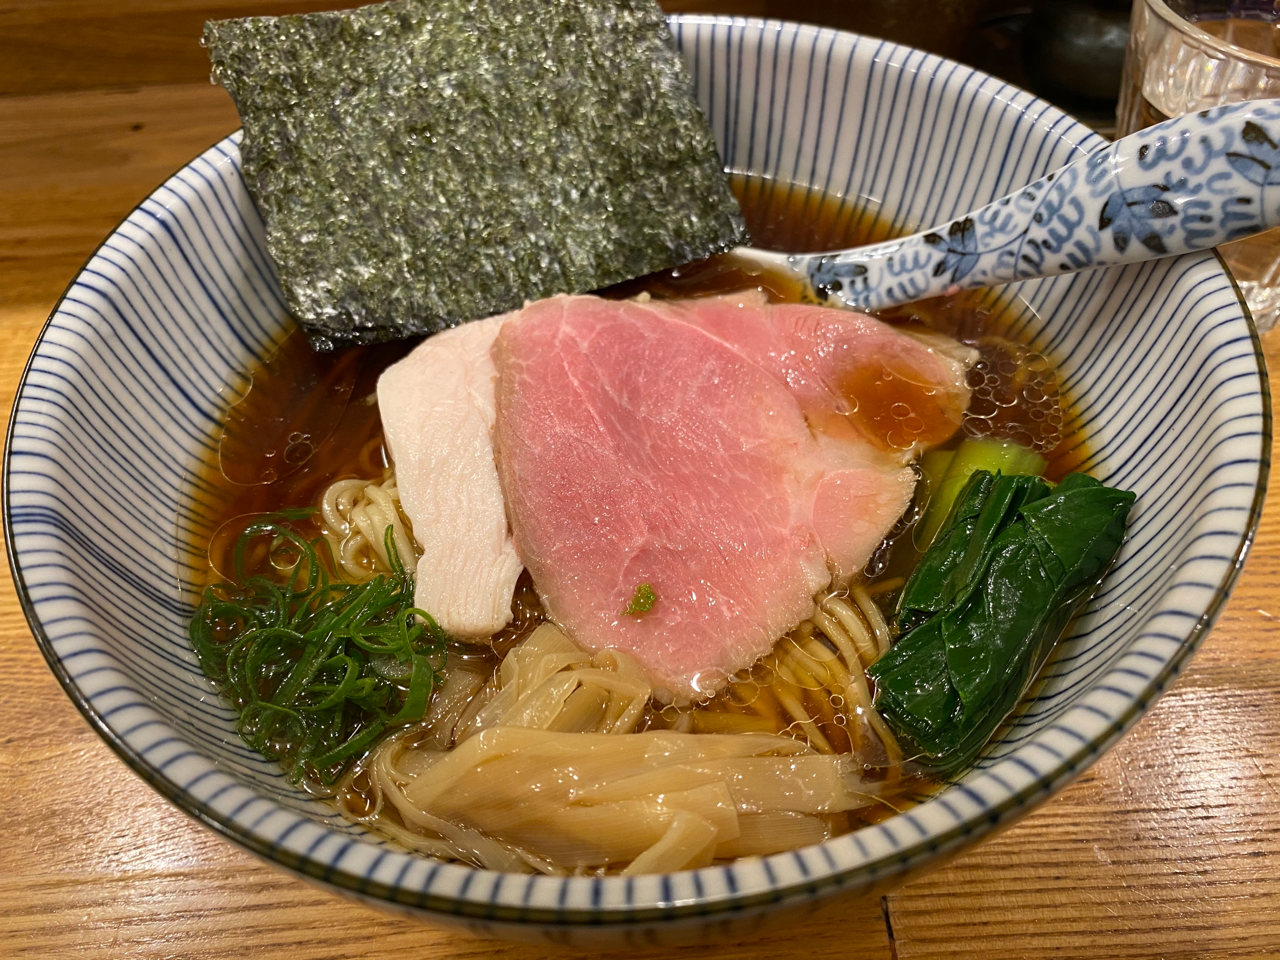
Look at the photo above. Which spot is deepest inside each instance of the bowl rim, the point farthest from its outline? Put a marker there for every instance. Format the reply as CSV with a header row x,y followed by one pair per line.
x,y
882,868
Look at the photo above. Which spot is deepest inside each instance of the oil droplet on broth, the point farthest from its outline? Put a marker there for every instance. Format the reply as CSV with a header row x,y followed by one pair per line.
x,y
1016,396
222,543
299,450
274,428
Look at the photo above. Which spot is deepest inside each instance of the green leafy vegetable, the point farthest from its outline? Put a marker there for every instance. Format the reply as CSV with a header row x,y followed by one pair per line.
x,y
642,602
1012,565
947,472
318,668
964,544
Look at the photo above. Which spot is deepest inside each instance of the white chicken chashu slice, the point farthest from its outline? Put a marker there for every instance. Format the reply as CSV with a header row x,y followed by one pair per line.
x,y
437,407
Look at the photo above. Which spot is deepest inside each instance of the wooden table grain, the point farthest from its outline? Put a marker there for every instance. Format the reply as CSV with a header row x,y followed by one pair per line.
x,y
1168,847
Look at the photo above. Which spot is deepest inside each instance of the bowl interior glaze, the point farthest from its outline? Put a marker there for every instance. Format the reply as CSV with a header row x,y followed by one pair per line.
x,y
131,377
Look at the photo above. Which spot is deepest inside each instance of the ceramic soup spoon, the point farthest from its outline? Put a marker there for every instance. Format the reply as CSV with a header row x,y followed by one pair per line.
x,y
1183,185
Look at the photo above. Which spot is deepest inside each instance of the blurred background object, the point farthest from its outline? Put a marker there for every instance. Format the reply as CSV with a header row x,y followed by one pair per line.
x,y
1188,55
940,26
1073,53
1067,51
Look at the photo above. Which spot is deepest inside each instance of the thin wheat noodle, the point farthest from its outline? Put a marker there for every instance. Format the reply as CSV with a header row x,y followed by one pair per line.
x,y
350,551
818,661
802,661
829,686
355,515
334,507
857,690
417,842
798,712
881,587
386,496
873,616
834,631
852,624
841,682
766,704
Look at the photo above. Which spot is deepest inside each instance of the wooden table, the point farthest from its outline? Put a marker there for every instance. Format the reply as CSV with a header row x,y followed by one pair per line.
x,y
1168,847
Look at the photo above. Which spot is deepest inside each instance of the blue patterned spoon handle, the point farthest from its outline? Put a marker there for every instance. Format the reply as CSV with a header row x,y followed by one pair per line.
x,y
1184,185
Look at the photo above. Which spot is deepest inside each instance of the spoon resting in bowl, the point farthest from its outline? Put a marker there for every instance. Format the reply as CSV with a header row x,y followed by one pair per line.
x,y
1183,185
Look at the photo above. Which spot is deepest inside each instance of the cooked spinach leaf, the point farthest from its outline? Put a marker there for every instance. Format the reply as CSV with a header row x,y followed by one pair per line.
x,y
981,511
1011,566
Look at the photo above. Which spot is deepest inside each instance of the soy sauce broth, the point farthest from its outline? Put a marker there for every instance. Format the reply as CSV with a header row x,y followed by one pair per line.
x,y
309,419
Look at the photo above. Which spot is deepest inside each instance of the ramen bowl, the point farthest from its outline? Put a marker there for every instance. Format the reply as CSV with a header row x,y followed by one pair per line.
x,y
130,379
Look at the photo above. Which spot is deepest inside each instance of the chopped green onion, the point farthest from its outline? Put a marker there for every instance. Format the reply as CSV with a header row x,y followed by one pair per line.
x,y
642,602
319,668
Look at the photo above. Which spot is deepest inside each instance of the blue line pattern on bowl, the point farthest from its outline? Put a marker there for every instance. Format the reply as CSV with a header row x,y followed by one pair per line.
x,y
131,376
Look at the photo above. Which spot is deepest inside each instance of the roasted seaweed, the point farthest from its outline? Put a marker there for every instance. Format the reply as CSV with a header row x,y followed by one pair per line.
x,y
425,162
1010,567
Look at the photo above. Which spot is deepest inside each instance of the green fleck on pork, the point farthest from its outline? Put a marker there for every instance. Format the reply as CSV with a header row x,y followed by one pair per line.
x,y
641,602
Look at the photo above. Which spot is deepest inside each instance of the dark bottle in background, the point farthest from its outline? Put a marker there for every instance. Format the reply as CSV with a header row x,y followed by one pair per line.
x,y
939,26
1073,51
1068,51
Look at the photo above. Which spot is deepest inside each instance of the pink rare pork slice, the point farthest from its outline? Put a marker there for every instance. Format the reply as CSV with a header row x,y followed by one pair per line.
x,y
730,454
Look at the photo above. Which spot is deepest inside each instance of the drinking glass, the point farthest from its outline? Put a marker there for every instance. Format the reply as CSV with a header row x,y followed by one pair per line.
x,y
1187,55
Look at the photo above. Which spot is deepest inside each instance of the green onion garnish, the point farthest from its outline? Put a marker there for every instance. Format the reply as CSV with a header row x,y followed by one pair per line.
x,y
642,601
319,668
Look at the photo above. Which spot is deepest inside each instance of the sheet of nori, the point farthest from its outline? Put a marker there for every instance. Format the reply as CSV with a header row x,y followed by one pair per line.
x,y
421,163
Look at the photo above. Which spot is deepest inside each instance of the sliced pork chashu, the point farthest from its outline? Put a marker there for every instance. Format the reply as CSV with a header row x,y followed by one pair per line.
x,y
730,454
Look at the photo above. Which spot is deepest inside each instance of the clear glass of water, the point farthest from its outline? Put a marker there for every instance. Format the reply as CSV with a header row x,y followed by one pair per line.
x,y
1187,55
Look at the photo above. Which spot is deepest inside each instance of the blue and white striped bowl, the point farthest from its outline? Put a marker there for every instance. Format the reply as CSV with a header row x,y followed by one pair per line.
x,y
129,379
